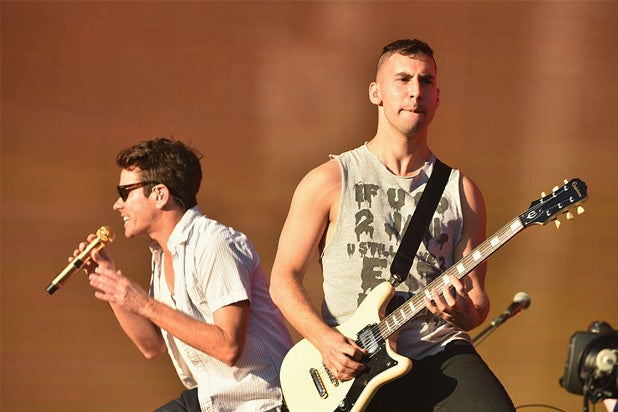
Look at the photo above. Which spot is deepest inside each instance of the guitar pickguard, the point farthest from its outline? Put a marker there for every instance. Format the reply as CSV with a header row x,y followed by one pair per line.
x,y
377,363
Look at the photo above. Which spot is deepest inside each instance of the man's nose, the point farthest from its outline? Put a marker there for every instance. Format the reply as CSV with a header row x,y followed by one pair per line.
x,y
414,88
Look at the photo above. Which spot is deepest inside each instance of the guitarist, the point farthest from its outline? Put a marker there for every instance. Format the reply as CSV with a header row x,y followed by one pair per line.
x,y
354,209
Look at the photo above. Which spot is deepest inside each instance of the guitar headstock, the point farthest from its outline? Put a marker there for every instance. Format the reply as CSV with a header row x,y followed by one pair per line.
x,y
561,201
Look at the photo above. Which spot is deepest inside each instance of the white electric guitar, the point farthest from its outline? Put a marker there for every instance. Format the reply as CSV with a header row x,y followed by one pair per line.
x,y
309,387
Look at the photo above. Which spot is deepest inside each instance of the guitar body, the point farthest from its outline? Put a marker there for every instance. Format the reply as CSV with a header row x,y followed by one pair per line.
x,y
308,386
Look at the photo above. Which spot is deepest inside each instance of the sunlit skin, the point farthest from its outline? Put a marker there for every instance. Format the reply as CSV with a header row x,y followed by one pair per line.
x,y
142,317
137,212
406,95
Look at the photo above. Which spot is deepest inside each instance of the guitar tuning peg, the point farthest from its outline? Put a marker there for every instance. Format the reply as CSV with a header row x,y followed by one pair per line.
x,y
565,181
569,216
580,210
557,223
555,189
543,194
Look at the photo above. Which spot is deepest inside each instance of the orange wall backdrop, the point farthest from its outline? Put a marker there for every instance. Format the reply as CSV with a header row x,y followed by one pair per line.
x,y
266,90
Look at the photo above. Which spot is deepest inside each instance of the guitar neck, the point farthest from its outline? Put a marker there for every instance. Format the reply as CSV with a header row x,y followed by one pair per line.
x,y
562,199
413,306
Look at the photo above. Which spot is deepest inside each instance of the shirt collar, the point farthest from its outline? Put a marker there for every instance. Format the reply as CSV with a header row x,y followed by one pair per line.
x,y
181,231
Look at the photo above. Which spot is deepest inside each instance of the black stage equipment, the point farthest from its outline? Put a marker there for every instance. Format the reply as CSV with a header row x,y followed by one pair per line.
x,y
591,366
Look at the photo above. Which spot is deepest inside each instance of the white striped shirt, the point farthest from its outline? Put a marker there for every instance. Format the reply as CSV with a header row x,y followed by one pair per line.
x,y
216,266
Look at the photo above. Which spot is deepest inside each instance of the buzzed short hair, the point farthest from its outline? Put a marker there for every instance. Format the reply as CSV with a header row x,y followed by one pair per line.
x,y
405,47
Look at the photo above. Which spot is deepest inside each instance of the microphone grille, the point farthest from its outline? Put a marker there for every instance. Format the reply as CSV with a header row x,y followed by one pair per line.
x,y
523,298
106,234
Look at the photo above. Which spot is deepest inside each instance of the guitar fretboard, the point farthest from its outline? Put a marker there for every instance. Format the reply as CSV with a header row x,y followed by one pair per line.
x,y
413,306
541,211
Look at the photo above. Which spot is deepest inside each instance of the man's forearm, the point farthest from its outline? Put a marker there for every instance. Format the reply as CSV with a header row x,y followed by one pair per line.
x,y
296,306
144,334
224,339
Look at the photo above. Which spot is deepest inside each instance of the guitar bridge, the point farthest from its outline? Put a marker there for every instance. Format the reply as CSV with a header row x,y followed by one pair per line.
x,y
317,381
334,381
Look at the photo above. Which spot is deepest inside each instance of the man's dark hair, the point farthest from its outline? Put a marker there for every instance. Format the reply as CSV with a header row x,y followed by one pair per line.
x,y
169,162
405,47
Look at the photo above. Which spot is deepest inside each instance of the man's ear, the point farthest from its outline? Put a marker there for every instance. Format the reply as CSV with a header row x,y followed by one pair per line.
x,y
438,99
161,194
374,93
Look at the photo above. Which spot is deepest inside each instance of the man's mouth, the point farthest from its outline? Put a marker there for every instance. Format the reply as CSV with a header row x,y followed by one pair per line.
x,y
417,110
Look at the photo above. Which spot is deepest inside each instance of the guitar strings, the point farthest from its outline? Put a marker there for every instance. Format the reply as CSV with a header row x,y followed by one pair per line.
x,y
416,303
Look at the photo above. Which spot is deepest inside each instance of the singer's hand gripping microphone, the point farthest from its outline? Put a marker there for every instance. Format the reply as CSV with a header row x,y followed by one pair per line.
x,y
104,235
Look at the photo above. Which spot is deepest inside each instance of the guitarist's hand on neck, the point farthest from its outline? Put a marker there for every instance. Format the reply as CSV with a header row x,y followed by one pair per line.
x,y
454,305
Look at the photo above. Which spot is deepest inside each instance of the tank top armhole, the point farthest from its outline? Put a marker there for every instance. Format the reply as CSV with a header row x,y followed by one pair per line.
x,y
335,230
458,178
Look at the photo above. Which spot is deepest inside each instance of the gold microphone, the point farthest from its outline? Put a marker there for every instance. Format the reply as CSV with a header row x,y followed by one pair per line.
x,y
104,235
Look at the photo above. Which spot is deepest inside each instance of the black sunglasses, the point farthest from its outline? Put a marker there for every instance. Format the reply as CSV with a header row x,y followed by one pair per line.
x,y
124,190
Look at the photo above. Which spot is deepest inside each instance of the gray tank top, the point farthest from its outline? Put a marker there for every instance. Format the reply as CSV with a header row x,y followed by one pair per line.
x,y
374,211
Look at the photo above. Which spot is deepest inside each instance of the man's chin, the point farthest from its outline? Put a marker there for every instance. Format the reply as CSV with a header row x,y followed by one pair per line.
x,y
414,130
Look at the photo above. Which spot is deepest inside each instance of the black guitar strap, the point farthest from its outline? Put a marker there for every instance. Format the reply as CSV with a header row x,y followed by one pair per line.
x,y
402,263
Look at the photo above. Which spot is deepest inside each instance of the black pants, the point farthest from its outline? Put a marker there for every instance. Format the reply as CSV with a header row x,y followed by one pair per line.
x,y
456,380
187,402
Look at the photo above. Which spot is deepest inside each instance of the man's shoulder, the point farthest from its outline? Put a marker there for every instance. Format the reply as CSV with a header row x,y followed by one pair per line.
x,y
204,225
322,176
211,237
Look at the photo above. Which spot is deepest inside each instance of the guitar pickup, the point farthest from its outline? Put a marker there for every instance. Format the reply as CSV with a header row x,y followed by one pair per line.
x,y
317,381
